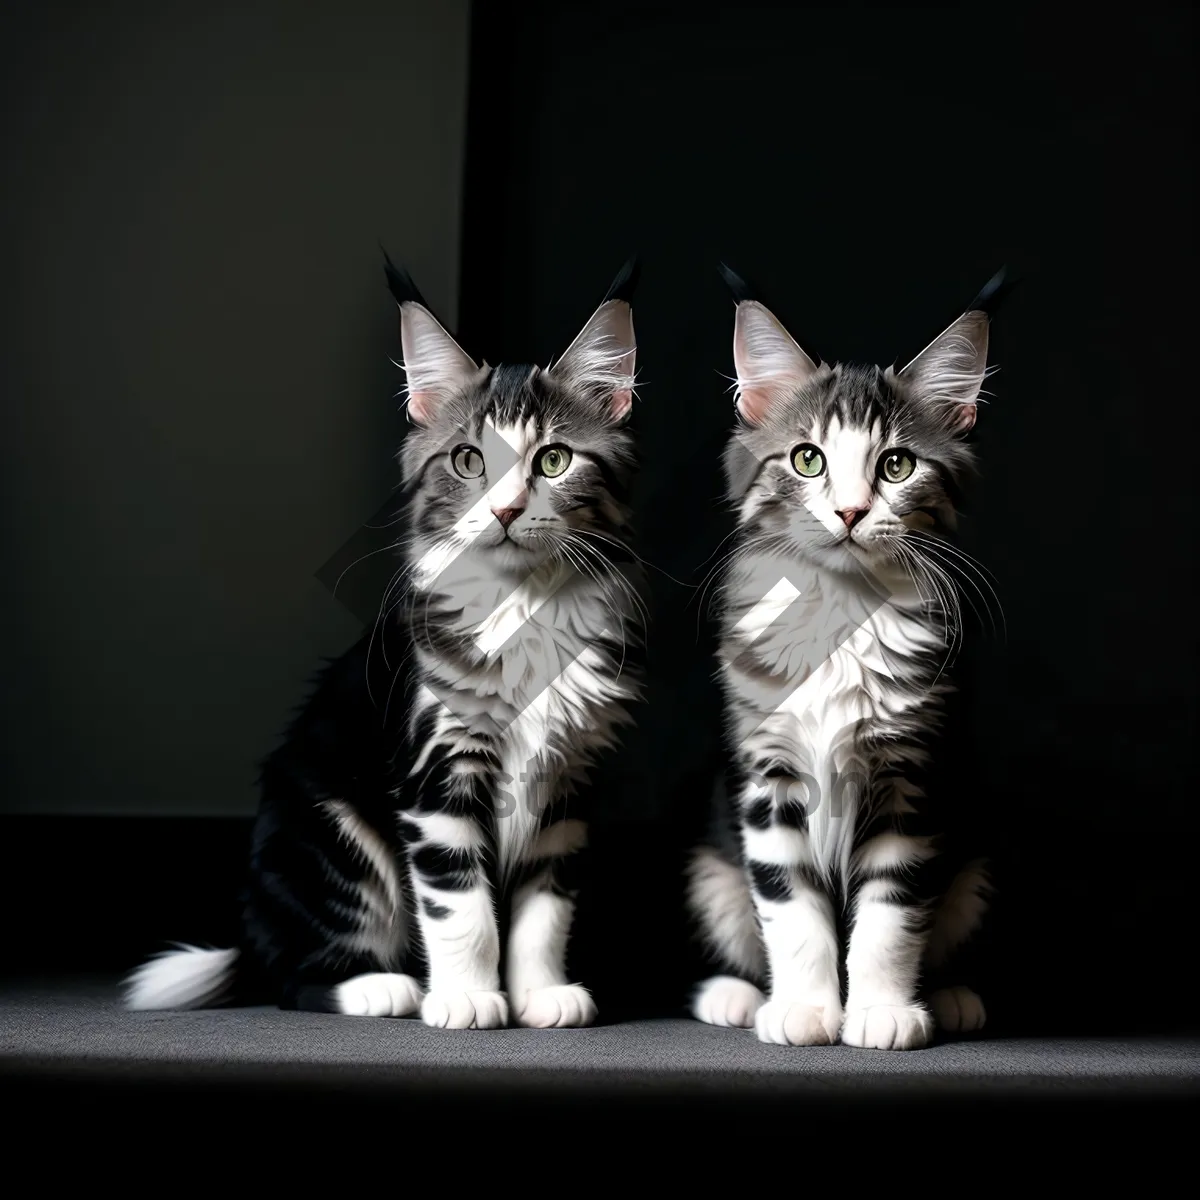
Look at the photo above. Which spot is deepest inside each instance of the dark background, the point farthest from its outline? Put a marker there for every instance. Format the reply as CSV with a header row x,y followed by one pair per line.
x,y
195,368
869,169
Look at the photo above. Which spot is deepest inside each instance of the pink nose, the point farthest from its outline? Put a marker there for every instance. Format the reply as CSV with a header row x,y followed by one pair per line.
x,y
506,516
851,516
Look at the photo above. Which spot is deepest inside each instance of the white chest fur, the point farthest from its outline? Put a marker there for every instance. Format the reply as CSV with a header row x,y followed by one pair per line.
x,y
549,695
828,651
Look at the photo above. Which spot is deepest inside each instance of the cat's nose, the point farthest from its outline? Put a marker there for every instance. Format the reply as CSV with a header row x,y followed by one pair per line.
x,y
506,516
851,516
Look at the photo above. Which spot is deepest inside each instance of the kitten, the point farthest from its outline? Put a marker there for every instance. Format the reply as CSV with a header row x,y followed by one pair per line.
x,y
837,613
426,808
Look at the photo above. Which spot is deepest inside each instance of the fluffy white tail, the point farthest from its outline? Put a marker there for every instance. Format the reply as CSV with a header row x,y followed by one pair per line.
x,y
184,978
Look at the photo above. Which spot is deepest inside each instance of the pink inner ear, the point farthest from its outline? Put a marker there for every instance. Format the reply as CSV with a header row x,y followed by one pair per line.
x,y
964,418
420,406
753,404
621,403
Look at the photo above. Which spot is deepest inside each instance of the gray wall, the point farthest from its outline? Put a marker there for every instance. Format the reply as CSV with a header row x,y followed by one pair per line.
x,y
197,398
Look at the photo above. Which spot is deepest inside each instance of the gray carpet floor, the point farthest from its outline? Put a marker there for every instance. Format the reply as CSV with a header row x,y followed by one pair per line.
x,y
80,1028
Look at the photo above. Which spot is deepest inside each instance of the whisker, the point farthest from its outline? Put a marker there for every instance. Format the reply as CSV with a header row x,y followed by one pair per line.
x,y
643,562
576,558
732,533
363,558
618,578
397,581
945,598
759,542
970,572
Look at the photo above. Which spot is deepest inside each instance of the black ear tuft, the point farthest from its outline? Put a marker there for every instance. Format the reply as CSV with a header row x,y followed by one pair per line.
x,y
745,292
741,290
993,294
404,291
626,282
400,284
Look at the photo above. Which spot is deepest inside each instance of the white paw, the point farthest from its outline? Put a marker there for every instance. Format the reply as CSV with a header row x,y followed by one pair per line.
x,y
888,1027
378,996
958,1010
568,1006
465,1010
725,1000
788,1024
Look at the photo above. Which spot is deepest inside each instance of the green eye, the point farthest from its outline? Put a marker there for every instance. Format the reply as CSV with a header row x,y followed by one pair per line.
x,y
467,462
808,461
554,461
895,466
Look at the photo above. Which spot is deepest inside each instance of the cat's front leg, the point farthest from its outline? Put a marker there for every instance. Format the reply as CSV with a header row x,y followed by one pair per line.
x,y
797,920
543,907
447,852
887,943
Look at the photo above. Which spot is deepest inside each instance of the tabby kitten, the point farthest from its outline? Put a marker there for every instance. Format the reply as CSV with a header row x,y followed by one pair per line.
x,y
425,813
837,612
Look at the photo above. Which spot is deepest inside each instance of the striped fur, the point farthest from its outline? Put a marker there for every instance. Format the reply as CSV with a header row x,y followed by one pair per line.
x,y
838,612
418,837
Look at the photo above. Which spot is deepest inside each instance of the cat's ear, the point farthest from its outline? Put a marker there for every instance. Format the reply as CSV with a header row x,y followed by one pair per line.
x,y
768,361
602,360
435,365
950,371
